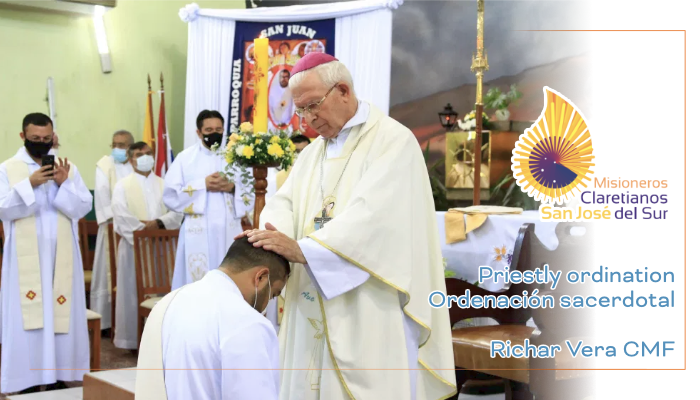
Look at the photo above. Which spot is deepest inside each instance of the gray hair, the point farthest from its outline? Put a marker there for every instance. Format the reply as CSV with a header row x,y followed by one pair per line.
x,y
330,73
125,133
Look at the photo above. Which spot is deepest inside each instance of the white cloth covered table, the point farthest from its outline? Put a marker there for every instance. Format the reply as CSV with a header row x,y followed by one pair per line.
x,y
490,245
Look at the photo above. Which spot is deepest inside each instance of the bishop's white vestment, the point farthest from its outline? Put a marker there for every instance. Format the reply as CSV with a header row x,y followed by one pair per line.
x,y
107,175
42,274
136,198
212,344
361,302
212,219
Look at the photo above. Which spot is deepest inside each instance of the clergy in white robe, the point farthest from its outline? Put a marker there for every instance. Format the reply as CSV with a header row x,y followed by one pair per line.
x,y
137,205
213,207
280,100
110,169
357,219
44,335
210,336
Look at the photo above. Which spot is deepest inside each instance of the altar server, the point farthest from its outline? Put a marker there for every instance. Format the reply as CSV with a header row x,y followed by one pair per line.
x,y
137,205
213,206
110,169
44,326
210,337
356,216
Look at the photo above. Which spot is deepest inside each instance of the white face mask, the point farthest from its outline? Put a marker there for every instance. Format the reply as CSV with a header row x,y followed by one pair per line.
x,y
145,163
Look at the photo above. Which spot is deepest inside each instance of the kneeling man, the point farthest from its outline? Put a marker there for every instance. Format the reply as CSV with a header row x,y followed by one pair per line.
x,y
210,336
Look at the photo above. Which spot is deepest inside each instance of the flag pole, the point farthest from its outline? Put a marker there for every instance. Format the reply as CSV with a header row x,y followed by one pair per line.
x,y
150,110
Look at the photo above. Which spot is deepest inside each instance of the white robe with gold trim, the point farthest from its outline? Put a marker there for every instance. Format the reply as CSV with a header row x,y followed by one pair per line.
x,y
212,219
100,296
39,356
384,225
125,223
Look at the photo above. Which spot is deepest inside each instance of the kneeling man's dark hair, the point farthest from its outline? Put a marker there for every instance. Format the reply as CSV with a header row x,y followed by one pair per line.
x,y
242,255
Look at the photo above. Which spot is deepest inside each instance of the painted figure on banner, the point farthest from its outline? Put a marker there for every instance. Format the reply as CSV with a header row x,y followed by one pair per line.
x,y
213,206
281,114
352,247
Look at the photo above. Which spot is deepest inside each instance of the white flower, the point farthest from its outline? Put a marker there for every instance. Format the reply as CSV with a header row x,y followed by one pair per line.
x,y
189,13
239,150
393,4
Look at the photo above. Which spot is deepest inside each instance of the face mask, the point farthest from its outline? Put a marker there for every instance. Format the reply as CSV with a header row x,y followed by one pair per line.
x,y
119,155
213,138
37,149
269,297
145,163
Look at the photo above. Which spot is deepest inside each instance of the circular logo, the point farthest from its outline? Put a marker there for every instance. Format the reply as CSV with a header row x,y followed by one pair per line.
x,y
554,156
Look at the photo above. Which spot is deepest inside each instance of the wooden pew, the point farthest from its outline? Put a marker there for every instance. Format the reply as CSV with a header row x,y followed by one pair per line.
x,y
154,256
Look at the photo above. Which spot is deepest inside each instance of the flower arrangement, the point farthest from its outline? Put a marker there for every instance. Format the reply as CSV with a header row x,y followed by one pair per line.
x,y
246,149
468,123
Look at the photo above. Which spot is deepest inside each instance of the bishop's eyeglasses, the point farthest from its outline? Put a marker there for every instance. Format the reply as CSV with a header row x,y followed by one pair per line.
x,y
313,107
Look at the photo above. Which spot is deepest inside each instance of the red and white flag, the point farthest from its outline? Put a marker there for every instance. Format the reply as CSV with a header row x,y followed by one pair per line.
x,y
164,152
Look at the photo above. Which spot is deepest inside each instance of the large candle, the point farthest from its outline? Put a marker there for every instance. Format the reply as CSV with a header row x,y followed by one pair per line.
x,y
261,66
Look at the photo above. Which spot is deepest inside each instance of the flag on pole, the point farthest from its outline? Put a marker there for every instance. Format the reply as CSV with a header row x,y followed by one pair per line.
x,y
164,152
148,123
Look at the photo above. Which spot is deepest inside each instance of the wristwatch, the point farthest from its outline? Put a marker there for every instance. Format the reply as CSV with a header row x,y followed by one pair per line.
x,y
160,223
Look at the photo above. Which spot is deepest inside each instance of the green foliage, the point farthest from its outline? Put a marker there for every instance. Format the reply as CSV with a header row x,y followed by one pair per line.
x,y
437,180
499,100
507,193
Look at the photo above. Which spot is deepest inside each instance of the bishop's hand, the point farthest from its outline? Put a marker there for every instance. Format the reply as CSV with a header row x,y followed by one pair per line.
x,y
273,240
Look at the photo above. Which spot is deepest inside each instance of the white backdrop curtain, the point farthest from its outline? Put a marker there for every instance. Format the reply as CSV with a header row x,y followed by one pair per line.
x,y
362,43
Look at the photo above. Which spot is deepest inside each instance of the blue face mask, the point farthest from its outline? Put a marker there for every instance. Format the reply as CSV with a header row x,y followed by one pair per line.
x,y
119,155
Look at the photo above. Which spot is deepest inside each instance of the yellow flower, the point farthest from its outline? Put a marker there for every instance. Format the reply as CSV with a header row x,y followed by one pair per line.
x,y
275,139
258,141
232,140
246,127
258,134
275,150
248,152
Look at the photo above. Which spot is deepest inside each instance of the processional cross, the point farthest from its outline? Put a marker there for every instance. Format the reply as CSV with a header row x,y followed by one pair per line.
x,y
480,64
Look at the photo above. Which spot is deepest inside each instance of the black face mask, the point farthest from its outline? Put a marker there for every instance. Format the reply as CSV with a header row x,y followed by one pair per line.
x,y
37,149
212,139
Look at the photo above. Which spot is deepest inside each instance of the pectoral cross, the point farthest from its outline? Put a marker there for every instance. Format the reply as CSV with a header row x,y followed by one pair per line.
x,y
323,219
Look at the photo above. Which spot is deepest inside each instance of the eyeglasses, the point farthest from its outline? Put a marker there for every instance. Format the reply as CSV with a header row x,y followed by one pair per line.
x,y
313,107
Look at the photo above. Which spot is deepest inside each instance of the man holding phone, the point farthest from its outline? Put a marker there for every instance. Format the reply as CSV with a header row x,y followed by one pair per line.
x,y
44,335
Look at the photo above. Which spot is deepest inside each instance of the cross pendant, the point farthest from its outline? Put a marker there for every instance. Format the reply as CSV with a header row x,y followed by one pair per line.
x,y
322,221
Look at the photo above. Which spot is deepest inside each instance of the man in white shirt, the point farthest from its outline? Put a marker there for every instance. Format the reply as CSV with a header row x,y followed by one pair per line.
x,y
110,169
137,205
215,342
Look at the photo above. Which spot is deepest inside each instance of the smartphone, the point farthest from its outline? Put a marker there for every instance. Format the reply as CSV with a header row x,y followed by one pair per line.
x,y
48,160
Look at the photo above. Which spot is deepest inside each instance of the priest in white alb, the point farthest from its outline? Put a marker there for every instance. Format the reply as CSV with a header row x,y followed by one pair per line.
x,y
137,205
44,324
110,169
213,206
356,217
